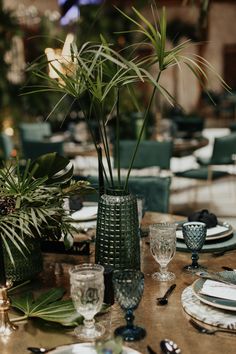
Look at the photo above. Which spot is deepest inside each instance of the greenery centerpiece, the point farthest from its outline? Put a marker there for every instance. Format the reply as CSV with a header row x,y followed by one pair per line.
x,y
31,208
96,75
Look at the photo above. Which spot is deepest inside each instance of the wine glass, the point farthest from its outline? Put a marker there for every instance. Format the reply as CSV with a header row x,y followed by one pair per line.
x,y
163,246
194,233
87,292
128,286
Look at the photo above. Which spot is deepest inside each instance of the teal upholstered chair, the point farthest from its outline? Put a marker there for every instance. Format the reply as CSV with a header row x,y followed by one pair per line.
x,y
150,153
6,146
155,190
224,150
33,149
34,131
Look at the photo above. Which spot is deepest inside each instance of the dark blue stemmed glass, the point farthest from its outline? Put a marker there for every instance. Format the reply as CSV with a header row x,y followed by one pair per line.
x,y
128,286
194,234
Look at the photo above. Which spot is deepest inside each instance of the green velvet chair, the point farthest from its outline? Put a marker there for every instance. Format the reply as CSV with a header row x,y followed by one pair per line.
x,y
150,153
155,190
6,146
33,149
34,131
224,150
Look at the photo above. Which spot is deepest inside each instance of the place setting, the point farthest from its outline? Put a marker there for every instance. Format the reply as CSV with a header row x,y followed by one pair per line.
x,y
219,236
213,302
212,297
84,221
88,291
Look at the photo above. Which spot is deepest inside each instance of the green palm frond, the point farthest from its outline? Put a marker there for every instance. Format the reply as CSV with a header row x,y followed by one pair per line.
x,y
100,73
32,200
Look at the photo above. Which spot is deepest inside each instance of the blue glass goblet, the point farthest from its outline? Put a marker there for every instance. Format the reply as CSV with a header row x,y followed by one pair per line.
x,y
194,234
128,286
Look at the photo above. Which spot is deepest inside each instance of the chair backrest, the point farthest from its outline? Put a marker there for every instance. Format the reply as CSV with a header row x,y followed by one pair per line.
x,y
34,131
33,149
150,153
155,190
223,150
6,146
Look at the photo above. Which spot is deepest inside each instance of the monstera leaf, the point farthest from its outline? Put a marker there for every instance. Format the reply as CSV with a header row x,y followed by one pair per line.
x,y
49,306
57,168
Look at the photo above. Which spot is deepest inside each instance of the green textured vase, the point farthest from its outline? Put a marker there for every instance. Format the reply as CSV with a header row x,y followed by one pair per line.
x,y
25,267
117,235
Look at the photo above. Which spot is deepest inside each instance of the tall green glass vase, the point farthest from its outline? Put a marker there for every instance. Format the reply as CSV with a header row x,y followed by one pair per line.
x,y
117,235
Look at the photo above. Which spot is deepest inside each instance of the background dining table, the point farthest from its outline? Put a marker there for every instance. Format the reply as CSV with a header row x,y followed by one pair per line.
x,y
160,322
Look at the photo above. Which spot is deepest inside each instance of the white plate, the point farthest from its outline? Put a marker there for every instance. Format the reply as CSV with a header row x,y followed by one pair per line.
x,y
222,230
224,304
86,213
84,348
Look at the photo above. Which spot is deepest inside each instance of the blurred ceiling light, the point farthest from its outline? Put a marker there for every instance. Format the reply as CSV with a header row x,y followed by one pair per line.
x,y
9,131
54,63
66,50
60,60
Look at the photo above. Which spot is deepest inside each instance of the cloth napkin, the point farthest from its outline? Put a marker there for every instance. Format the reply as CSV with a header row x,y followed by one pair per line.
x,y
216,289
85,213
203,215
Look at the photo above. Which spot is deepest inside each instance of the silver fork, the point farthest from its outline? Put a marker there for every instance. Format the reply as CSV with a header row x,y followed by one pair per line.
x,y
205,330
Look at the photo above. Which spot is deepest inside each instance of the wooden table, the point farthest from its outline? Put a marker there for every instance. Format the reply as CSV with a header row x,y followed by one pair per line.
x,y
185,147
160,322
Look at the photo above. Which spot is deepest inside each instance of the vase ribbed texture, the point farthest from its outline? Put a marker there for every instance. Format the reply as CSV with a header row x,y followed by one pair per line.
x,y
117,235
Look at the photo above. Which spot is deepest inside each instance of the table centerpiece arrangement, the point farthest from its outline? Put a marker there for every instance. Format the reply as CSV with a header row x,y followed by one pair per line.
x,y
31,208
97,76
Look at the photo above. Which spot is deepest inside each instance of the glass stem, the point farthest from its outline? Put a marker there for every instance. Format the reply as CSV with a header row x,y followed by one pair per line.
x,y
89,324
129,318
195,258
163,270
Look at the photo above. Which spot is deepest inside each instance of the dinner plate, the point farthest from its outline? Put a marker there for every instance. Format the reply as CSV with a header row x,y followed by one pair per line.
x,y
84,348
222,230
224,304
86,213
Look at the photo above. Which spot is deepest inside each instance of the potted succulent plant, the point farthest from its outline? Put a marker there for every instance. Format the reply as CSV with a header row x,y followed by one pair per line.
x,y
98,74
31,208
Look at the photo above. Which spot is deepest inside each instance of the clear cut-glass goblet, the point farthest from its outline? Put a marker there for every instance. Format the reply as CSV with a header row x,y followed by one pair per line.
x,y
194,234
128,286
163,247
87,292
